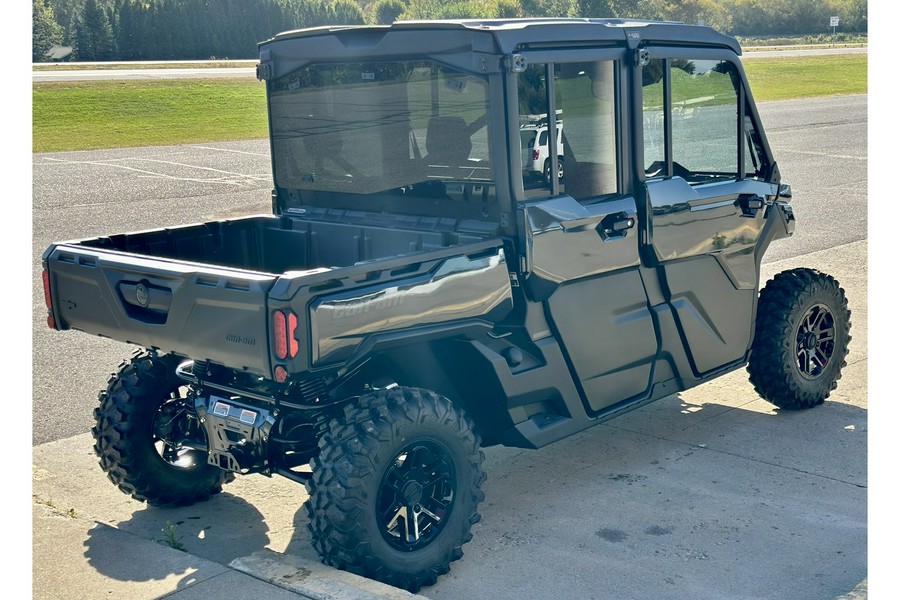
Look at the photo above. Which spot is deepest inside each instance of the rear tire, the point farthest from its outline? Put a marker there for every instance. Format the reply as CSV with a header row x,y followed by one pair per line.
x,y
547,166
141,425
396,487
802,332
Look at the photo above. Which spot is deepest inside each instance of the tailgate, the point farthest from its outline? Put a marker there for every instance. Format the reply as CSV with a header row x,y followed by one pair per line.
x,y
194,310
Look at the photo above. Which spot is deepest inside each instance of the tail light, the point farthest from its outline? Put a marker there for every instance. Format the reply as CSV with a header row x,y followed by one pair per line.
x,y
535,155
48,300
284,327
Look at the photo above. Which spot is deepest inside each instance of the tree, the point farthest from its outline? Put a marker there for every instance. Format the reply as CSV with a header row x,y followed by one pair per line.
x,y
508,9
347,12
596,9
710,12
388,11
45,31
93,34
601,9
855,16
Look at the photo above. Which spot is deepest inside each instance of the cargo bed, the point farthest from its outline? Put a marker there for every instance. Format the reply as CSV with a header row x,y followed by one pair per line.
x,y
202,290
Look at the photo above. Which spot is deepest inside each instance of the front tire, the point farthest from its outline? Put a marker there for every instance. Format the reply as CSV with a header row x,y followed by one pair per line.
x,y
802,332
396,487
147,439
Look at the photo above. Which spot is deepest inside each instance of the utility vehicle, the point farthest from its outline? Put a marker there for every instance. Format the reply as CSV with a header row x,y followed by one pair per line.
x,y
412,298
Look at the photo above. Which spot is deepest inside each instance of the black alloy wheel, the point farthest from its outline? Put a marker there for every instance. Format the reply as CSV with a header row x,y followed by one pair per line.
x,y
815,341
150,444
395,488
178,436
416,495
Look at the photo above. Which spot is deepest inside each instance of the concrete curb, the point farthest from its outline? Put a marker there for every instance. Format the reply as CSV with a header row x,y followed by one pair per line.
x,y
315,580
860,592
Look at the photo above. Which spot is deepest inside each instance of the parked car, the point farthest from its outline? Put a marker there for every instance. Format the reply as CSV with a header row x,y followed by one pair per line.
x,y
536,151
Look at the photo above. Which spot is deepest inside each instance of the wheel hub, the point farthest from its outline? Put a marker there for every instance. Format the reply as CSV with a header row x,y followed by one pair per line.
x,y
810,341
412,493
177,436
815,341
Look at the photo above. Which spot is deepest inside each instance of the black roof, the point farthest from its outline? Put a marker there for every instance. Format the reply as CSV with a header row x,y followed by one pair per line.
x,y
510,34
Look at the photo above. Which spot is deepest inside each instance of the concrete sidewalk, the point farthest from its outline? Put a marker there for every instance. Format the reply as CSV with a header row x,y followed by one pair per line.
x,y
706,494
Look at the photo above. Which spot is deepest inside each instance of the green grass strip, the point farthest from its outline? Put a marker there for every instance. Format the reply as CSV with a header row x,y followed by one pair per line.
x,y
116,114
807,76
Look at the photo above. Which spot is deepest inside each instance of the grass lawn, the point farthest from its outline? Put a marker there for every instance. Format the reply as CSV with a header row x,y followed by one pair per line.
x,y
114,114
807,76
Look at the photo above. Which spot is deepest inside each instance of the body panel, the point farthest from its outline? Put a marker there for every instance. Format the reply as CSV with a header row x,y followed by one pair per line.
x,y
460,288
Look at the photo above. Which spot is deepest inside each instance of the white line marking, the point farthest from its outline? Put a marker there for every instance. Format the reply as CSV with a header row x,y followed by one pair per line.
x,y
229,150
242,178
824,154
178,164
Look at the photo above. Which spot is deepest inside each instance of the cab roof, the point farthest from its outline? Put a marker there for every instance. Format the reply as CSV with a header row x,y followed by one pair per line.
x,y
517,34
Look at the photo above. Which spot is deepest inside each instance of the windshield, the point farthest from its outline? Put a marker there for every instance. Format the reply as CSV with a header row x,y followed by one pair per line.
x,y
352,135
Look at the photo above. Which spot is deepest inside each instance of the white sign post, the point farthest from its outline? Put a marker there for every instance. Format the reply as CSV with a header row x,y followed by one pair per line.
x,y
835,21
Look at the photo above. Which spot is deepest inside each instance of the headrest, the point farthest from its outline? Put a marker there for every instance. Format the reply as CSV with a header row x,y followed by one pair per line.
x,y
447,138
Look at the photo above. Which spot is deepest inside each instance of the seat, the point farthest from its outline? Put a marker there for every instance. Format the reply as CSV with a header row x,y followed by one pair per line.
x,y
447,142
587,179
327,146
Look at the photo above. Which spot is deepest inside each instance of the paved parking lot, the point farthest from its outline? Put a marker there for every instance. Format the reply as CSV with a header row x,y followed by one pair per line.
x,y
706,494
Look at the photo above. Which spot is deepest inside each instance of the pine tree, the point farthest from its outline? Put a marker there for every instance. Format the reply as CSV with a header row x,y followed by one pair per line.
x,y
45,31
388,11
93,34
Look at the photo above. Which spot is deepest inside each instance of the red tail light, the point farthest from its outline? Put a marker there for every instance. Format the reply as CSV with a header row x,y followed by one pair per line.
x,y
284,328
48,300
535,155
293,344
279,326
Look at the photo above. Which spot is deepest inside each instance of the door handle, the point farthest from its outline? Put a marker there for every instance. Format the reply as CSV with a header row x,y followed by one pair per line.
x,y
750,204
616,225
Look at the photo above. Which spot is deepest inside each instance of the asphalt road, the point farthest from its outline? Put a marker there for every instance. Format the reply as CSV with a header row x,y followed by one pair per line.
x,y
142,74
820,146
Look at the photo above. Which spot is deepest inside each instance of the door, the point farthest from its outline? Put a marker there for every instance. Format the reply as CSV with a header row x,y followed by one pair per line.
x,y
705,171
580,226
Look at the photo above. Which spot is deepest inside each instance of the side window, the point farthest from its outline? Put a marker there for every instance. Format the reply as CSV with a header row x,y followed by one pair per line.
x,y
586,95
704,120
533,130
586,135
654,118
755,166
690,120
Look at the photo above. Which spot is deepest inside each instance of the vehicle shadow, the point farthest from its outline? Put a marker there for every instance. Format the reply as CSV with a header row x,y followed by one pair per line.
x,y
685,489
219,530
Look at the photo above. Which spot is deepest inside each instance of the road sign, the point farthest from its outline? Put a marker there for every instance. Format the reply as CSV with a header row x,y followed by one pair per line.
x,y
835,21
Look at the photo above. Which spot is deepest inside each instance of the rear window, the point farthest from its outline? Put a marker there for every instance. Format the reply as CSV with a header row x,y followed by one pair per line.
x,y
527,138
353,134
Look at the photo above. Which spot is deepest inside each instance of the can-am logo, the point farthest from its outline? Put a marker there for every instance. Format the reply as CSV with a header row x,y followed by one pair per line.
x,y
240,339
363,306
